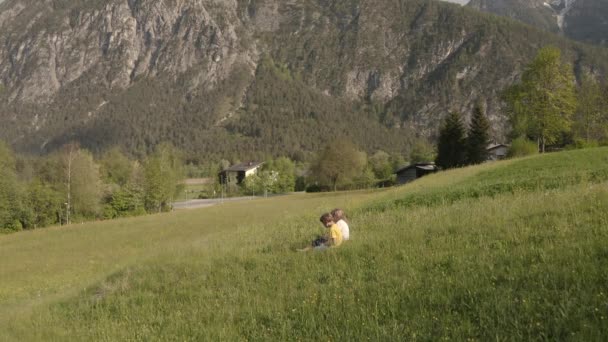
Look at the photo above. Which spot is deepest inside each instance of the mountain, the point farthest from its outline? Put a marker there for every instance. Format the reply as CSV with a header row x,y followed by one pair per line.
x,y
587,21
249,77
583,20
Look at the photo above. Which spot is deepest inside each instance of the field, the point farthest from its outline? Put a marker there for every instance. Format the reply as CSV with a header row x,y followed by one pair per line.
x,y
514,250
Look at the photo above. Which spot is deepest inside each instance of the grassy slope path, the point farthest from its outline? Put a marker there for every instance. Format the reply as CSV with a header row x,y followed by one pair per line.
x,y
511,250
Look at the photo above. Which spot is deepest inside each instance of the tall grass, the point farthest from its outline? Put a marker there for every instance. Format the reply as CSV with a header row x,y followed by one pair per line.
x,y
512,265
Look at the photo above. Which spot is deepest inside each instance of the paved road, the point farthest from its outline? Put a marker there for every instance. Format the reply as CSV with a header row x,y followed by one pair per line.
x,y
203,203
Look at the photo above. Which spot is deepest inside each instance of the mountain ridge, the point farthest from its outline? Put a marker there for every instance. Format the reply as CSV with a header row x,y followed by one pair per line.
x,y
199,73
582,20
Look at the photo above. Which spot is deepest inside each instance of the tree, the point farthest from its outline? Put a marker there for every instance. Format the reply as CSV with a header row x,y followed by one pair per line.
x,y
478,137
68,156
367,178
163,173
10,197
380,163
521,147
285,173
275,176
422,151
589,114
124,189
397,161
451,149
44,205
83,183
541,106
604,119
115,167
124,202
339,163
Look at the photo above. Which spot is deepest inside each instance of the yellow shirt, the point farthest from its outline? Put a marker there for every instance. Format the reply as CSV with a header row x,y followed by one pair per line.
x,y
336,235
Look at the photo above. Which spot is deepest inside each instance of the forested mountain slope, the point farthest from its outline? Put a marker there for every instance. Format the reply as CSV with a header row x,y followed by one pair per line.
x,y
239,77
583,20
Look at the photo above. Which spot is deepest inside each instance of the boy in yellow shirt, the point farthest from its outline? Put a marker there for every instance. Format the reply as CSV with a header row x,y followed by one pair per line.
x,y
333,238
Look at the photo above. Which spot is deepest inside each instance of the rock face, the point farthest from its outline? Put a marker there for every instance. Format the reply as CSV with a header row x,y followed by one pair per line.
x,y
587,21
539,13
137,72
583,20
114,43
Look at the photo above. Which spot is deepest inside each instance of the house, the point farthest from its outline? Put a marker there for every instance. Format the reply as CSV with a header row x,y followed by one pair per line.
x,y
497,151
236,174
412,172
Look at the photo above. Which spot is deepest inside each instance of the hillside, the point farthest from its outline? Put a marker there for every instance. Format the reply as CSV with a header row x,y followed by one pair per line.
x,y
236,78
582,20
588,21
506,250
533,12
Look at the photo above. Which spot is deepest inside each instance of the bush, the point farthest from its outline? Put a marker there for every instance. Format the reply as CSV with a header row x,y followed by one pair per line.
x,y
582,143
522,147
314,188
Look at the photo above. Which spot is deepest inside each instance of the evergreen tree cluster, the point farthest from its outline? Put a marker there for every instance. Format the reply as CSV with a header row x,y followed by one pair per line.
x,y
458,147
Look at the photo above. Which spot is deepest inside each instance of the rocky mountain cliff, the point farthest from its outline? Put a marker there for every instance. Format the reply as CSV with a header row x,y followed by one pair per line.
x,y
239,77
584,20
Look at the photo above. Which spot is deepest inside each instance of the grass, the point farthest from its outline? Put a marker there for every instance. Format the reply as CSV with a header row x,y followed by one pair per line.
x,y
525,263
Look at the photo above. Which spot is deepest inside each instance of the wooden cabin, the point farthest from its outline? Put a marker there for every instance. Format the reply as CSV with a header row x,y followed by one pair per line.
x,y
497,151
412,172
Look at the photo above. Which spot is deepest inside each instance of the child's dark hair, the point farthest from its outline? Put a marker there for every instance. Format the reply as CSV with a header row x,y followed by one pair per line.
x,y
326,218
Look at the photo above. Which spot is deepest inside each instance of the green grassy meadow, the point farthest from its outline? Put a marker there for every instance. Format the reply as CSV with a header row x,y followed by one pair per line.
x,y
513,250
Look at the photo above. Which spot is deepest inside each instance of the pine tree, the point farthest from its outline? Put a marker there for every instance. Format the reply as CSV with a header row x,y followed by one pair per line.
x,y
478,137
451,149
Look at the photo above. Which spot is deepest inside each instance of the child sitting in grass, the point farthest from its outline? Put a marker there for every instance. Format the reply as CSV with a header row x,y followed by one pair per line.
x,y
333,238
340,219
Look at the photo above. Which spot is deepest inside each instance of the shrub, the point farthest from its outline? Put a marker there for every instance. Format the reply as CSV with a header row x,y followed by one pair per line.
x,y
521,147
582,143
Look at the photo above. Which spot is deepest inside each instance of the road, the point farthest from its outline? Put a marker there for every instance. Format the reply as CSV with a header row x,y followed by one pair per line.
x,y
203,203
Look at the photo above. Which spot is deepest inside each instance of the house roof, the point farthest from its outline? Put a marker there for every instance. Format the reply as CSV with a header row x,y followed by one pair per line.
x,y
246,166
421,166
495,146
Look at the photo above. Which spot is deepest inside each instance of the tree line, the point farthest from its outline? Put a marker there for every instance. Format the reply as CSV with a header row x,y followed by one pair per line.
x,y
548,108
339,165
71,185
